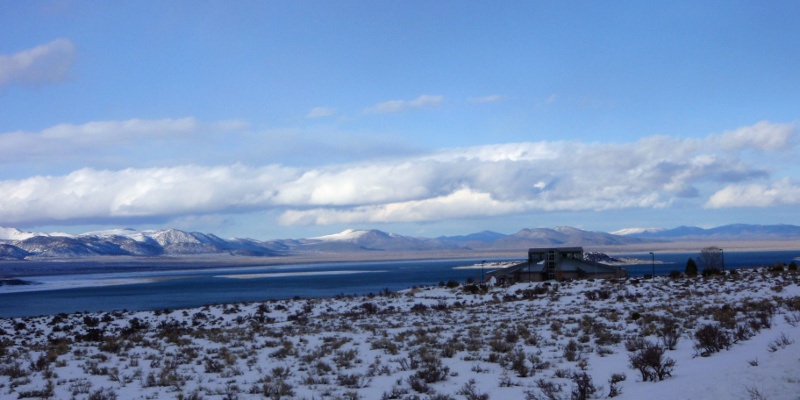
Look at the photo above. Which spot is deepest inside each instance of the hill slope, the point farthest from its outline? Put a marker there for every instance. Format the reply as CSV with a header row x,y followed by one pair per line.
x,y
18,245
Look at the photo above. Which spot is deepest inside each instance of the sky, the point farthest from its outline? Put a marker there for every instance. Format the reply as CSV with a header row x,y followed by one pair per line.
x,y
293,119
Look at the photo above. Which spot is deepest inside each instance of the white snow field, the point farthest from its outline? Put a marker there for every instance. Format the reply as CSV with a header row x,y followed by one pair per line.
x,y
719,337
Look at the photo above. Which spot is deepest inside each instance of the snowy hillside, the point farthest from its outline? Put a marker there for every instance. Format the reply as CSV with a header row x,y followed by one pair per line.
x,y
139,236
635,231
125,242
348,235
14,234
721,337
19,245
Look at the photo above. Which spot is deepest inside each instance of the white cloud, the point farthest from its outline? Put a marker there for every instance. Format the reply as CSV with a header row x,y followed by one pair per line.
x,y
779,193
177,141
99,137
393,106
321,112
119,130
654,172
48,63
148,192
763,136
458,204
493,98
362,184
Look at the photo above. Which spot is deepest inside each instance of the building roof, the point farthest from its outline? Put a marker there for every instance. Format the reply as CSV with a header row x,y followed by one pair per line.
x,y
559,249
564,265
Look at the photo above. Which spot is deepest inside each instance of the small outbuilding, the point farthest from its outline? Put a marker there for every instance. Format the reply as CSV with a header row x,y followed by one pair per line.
x,y
558,263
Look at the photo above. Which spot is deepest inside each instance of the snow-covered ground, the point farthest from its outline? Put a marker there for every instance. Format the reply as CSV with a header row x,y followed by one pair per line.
x,y
528,341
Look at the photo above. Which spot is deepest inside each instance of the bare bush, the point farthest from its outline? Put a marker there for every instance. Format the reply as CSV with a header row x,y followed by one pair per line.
x,y
636,343
792,319
582,388
45,393
669,332
781,342
572,351
614,388
430,365
742,332
103,394
352,381
711,339
418,384
471,392
519,364
14,370
548,391
651,363
754,394
276,385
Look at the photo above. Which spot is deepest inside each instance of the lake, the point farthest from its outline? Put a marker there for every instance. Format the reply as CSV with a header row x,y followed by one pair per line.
x,y
154,289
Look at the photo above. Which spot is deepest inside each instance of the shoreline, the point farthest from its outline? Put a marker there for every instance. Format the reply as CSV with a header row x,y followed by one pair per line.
x,y
88,265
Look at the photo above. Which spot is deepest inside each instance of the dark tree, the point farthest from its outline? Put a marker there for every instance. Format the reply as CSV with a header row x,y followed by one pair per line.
x,y
691,267
710,259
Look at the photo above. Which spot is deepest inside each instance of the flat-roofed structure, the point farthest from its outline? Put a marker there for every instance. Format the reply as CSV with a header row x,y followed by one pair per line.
x,y
556,263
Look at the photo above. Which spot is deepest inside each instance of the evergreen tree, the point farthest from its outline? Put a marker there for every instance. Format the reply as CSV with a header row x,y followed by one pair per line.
x,y
691,267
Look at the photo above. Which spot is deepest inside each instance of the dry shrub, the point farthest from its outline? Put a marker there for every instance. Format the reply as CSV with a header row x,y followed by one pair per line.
x,y
711,338
651,363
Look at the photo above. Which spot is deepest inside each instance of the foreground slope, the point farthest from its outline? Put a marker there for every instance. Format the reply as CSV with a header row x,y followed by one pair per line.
x,y
528,341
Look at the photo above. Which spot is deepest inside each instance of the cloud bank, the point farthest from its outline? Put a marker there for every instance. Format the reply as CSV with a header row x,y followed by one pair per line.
x,y
48,63
733,169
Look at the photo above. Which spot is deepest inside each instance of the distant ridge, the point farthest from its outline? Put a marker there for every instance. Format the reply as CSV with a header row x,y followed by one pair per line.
x,y
18,245
726,232
558,236
484,236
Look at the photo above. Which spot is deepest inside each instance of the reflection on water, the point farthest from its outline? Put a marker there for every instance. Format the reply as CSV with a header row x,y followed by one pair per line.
x,y
284,274
142,289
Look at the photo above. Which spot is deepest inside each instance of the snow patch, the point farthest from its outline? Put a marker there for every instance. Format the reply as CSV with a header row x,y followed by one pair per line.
x,y
14,234
344,236
125,232
634,231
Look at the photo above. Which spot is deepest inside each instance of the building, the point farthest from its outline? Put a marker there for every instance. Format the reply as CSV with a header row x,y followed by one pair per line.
x,y
558,263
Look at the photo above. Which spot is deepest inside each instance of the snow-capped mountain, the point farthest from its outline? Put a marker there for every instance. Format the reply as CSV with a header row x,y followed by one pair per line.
x,y
636,231
18,245
372,239
9,252
348,235
128,242
14,234
479,237
725,232
558,236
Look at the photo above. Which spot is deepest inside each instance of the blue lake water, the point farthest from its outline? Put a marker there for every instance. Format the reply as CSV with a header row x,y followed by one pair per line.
x,y
143,289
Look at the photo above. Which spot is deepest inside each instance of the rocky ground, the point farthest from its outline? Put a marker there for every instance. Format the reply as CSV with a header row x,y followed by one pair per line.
x,y
722,336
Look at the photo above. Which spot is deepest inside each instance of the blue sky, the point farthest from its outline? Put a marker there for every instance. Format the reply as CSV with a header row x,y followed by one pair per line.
x,y
303,118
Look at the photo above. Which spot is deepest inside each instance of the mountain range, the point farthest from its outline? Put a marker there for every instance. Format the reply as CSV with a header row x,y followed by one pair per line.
x,y
19,245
